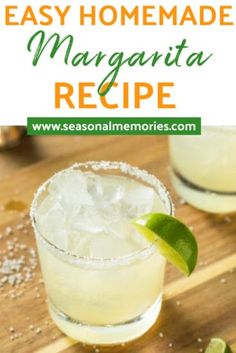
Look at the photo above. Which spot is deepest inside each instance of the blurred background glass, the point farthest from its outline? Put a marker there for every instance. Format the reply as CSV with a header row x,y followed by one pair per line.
x,y
203,168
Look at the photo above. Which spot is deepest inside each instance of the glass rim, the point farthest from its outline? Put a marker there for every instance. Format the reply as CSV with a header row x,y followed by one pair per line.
x,y
219,129
124,168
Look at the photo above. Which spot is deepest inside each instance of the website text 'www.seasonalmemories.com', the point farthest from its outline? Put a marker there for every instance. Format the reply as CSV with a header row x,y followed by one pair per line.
x,y
114,126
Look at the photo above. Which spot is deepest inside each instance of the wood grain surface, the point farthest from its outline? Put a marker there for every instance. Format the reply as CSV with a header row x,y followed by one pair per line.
x,y
194,309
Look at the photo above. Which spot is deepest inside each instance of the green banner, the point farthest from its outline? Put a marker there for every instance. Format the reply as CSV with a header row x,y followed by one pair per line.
x,y
113,126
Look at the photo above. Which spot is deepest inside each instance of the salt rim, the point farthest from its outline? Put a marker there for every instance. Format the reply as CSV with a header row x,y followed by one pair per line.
x,y
99,263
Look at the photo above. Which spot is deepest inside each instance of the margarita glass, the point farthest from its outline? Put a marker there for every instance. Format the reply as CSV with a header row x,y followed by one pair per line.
x,y
103,279
204,168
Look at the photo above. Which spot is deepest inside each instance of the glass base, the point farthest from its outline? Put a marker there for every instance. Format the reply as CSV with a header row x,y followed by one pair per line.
x,y
107,334
206,200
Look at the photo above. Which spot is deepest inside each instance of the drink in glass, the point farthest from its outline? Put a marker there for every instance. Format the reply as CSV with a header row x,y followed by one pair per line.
x,y
204,168
103,279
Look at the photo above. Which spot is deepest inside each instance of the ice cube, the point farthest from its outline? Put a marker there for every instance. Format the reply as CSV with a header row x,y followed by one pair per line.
x,y
79,243
70,188
105,189
94,185
52,226
47,204
87,219
138,200
89,214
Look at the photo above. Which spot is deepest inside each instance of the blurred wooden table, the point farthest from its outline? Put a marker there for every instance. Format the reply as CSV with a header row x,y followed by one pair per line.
x,y
194,309
35,149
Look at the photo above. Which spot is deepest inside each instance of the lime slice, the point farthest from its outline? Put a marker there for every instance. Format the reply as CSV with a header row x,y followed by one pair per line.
x,y
217,345
173,239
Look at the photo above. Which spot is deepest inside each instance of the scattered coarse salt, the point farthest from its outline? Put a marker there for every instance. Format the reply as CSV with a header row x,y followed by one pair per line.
x,y
15,336
4,279
28,222
223,280
8,231
19,226
199,339
161,335
38,330
178,303
97,350
32,252
10,266
15,279
170,345
18,262
182,202
200,350
202,263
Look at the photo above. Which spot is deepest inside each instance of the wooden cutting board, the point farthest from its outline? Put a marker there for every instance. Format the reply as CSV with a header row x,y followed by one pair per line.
x,y
194,309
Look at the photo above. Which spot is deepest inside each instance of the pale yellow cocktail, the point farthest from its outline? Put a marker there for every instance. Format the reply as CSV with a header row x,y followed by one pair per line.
x,y
204,168
103,279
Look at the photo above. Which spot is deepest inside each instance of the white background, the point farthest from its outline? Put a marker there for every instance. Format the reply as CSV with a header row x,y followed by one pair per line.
x,y
207,91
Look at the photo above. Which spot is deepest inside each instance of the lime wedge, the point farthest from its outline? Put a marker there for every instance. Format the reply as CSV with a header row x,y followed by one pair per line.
x,y
173,239
217,345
